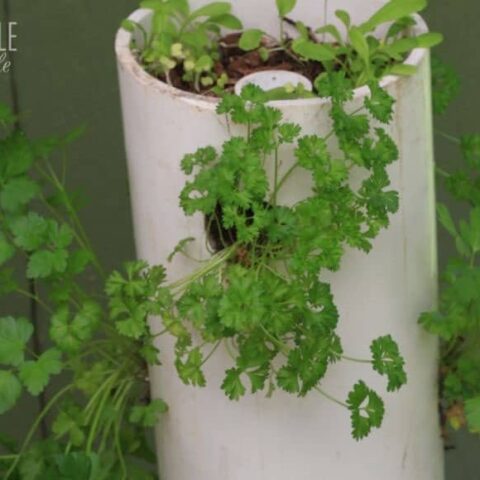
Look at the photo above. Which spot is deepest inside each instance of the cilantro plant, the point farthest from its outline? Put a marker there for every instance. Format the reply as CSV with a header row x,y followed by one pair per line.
x,y
100,405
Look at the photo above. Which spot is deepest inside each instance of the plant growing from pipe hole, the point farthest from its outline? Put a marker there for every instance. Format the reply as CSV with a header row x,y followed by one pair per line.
x,y
260,295
188,41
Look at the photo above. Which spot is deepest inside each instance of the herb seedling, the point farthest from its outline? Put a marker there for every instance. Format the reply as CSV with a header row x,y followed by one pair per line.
x,y
184,40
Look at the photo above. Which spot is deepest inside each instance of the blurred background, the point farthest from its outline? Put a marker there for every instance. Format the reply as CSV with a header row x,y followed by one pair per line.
x,y
64,76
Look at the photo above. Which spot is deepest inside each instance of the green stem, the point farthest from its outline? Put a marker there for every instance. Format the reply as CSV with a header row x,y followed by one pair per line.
x,y
331,398
34,427
118,399
283,348
442,172
356,360
214,263
74,216
214,349
96,419
284,179
13,456
275,178
97,394
34,297
449,137
118,446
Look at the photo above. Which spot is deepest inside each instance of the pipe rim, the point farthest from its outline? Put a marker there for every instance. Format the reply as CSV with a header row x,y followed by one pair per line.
x,y
127,62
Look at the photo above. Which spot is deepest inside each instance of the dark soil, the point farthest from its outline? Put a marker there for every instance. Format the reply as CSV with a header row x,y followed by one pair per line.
x,y
237,64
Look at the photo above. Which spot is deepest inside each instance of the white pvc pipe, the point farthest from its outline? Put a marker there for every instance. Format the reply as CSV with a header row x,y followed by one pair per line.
x,y
271,79
205,436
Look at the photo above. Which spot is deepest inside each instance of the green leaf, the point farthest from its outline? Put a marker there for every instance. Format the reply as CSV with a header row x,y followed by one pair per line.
x,y
228,21
35,375
14,336
251,39
16,154
129,25
445,85
392,11
470,145
388,361
313,51
472,412
44,263
69,423
30,232
61,236
404,45
258,377
285,6
190,371
76,466
380,103
134,326
7,283
287,379
78,261
6,115
402,70
180,248
359,44
366,409
446,219
17,193
10,390
61,331
333,31
214,9
147,415
6,250
344,17
86,321
232,384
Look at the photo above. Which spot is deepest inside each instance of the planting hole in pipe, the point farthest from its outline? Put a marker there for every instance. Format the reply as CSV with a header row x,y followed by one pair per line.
x,y
219,237
274,79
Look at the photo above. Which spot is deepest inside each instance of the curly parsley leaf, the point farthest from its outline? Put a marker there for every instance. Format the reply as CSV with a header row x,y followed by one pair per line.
x,y
232,384
366,409
388,361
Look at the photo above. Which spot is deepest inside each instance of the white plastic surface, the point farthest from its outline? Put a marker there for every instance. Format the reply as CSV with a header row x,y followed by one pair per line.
x,y
205,436
270,79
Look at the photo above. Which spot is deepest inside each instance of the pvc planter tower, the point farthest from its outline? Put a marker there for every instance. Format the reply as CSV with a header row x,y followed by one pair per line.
x,y
205,436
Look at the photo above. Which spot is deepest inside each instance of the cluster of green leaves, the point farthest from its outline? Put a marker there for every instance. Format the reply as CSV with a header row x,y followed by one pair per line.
x,y
359,52
189,41
180,37
99,405
457,319
260,295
